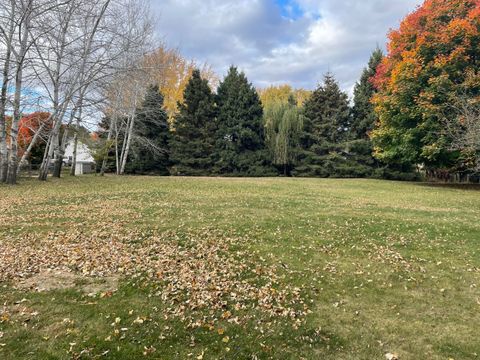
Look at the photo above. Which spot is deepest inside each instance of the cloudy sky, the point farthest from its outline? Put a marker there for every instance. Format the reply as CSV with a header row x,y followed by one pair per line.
x,y
281,41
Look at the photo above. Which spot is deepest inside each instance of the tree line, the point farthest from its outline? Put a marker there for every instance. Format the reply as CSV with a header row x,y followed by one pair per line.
x,y
415,110
232,132
415,113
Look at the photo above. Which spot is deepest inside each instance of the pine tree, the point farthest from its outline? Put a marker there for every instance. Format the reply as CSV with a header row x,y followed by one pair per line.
x,y
364,117
194,137
359,147
150,152
240,144
327,118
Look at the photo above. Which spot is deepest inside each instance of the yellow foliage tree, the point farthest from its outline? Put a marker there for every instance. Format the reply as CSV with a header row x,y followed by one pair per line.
x,y
168,69
281,94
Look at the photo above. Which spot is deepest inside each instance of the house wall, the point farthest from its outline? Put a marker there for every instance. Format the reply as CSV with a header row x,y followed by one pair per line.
x,y
82,168
83,153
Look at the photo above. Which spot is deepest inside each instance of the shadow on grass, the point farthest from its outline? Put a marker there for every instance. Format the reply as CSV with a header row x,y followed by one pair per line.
x,y
456,186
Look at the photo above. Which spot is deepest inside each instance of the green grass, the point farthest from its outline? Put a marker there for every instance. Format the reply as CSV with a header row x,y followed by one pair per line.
x,y
380,266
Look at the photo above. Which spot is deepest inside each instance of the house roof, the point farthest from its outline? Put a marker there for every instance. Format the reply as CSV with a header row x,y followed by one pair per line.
x,y
84,153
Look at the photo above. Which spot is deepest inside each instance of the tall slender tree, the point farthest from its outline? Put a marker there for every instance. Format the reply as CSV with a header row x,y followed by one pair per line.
x,y
327,118
193,138
150,153
359,147
240,140
363,113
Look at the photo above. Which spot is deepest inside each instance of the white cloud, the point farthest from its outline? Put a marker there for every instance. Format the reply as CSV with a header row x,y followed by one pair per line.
x,y
331,35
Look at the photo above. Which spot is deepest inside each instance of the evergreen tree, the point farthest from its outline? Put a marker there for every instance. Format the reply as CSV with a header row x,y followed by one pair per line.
x,y
364,117
150,153
240,144
194,137
359,147
327,118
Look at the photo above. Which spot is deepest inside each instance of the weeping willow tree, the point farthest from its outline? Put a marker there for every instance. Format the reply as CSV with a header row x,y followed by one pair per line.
x,y
283,127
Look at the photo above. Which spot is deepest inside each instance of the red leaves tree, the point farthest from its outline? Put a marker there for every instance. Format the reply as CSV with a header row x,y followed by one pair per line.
x,y
432,58
29,126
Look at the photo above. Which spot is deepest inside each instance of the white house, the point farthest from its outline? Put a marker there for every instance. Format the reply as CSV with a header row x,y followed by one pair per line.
x,y
85,162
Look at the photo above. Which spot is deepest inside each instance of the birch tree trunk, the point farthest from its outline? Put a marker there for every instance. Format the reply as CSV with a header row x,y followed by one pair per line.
x,y
13,155
60,152
117,159
107,148
52,144
3,104
75,137
76,85
127,141
74,158
32,144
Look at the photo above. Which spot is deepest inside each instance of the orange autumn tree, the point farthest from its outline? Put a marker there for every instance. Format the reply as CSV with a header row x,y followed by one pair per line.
x,y
432,58
29,126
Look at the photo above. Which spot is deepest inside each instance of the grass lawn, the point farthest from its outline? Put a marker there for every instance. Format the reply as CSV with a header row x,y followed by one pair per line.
x,y
194,268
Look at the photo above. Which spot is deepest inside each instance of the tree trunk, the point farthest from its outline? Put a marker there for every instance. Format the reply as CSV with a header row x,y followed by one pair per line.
x,y
79,106
127,140
49,151
3,104
57,171
13,155
74,159
124,145
32,144
3,127
58,161
117,155
108,147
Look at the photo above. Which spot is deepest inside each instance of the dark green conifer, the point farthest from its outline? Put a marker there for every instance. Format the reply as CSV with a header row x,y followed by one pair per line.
x,y
363,114
193,138
150,153
327,118
240,140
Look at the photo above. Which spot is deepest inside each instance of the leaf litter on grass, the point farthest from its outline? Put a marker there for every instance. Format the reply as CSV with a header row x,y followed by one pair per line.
x,y
194,274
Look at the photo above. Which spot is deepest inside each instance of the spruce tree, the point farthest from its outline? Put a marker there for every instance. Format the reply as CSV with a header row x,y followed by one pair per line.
x,y
364,117
327,118
359,147
240,140
150,153
193,138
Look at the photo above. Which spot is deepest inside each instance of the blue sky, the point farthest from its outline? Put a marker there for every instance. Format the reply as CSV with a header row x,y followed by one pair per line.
x,y
281,41
290,9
